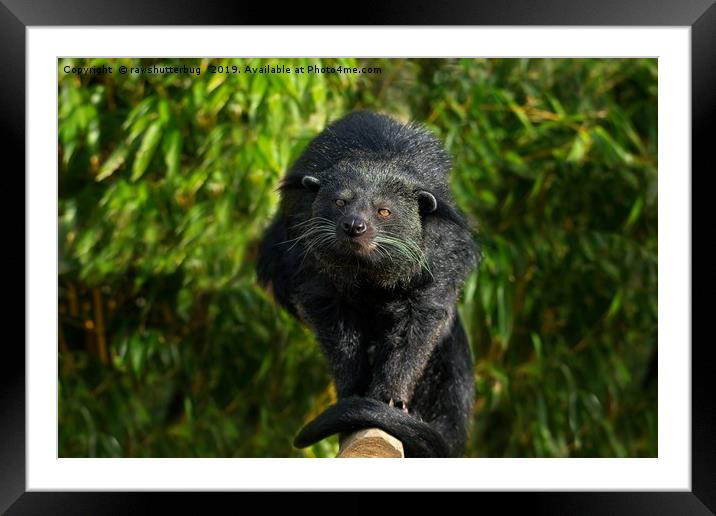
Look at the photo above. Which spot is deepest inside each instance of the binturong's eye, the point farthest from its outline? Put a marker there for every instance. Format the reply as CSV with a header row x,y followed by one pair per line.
x,y
340,203
384,212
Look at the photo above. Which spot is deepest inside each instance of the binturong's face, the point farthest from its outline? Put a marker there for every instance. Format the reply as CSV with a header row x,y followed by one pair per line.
x,y
370,222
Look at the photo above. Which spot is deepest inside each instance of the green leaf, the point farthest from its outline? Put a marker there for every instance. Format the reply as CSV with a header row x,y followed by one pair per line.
x,y
171,146
138,111
115,160
619,151
634,213
615,305
504,315
580,146
146,150
136,354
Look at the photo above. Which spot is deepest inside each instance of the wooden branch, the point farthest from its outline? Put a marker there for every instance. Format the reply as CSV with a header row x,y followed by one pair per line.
x,y
370,443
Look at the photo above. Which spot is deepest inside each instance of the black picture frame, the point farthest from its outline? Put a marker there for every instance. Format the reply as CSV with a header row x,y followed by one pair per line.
x,y
17,15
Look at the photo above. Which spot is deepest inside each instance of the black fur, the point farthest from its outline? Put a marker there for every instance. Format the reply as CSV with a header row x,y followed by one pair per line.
x,y
379,288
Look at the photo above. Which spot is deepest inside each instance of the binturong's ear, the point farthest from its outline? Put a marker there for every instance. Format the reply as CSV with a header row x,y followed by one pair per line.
x,y
298,182
310,183
427,202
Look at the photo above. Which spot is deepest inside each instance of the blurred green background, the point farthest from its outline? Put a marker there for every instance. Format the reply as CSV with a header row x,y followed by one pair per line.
x,y
167,347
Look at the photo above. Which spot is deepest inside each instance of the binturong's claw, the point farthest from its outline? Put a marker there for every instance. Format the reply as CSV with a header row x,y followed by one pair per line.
x,y
399,404
402,406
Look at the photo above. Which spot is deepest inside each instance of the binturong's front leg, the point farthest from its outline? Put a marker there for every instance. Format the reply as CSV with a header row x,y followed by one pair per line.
x,y
419,322
347,358
342,344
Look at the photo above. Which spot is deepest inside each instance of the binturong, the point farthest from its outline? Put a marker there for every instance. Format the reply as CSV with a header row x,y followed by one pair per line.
x,y
369,250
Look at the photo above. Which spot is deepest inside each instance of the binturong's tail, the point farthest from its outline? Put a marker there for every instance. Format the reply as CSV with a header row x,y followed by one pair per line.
x,y
352,414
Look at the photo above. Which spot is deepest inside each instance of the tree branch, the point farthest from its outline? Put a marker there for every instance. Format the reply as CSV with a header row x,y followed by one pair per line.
x,y
370,443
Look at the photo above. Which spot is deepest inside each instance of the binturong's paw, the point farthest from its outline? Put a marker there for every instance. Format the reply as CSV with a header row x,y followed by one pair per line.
x,y
399,404
381,393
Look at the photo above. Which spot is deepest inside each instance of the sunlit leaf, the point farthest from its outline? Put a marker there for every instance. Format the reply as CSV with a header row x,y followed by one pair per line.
x,y
113,162
146,150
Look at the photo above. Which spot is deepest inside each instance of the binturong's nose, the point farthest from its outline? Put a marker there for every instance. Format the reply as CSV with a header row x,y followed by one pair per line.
x,y
353,226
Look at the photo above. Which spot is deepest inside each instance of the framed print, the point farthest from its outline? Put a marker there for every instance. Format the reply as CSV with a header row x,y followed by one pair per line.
x,y
472,242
